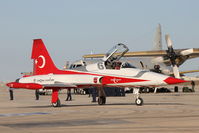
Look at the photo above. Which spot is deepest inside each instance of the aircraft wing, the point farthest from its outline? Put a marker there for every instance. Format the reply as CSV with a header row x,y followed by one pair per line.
x,y
131,54
191,71
193,54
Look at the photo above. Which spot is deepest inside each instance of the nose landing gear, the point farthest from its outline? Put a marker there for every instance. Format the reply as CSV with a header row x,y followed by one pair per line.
x,y
138,101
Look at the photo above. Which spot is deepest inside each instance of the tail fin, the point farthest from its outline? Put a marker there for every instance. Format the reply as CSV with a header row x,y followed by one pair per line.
x,y
158,38
43,63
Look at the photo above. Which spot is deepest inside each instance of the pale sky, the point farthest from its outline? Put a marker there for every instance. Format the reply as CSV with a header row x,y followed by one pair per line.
x,y
72,28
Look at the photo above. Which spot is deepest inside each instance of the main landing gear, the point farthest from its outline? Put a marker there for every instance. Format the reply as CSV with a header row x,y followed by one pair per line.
x,y
57,103
101,96
55,100
101,100
138,101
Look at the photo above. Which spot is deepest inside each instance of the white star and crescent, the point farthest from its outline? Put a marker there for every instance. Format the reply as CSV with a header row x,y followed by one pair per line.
x,y
43,61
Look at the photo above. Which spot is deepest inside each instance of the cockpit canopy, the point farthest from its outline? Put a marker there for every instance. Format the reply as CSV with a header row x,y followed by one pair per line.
x,y
116,52
112,57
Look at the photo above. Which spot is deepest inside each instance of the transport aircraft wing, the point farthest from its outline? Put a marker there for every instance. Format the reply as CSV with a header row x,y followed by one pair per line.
x,y
190,71
193,53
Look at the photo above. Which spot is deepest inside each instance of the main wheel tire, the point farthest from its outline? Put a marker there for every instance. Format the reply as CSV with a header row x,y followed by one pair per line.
x,y
57,104
139,101
102,100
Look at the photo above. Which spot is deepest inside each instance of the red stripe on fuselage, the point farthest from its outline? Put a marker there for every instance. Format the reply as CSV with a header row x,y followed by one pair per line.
x,y
119,80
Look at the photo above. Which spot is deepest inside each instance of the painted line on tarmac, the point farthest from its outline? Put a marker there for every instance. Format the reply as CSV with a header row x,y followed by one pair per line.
x,y
23,114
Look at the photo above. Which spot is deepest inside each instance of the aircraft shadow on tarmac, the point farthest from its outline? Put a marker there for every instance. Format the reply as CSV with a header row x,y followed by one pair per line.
x,y
112,104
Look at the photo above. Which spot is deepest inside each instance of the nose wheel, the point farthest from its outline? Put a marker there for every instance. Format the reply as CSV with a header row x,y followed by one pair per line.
x,y
57,104
139,101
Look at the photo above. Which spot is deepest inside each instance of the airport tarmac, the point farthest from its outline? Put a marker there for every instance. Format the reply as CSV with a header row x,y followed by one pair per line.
x,y
171,112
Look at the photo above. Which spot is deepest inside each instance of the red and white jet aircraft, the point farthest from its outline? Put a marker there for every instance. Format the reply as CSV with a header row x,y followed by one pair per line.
x,y
47,76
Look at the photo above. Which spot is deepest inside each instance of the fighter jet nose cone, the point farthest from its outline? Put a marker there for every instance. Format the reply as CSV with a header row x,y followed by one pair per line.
x,y
8,84
171,80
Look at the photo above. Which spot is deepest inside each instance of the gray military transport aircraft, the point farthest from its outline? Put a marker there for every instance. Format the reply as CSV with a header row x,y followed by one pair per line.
x,y
158,60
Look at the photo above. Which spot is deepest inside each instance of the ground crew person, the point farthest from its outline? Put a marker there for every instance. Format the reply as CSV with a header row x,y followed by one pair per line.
x,y
193,86
36,94
94,94
11,93
69,96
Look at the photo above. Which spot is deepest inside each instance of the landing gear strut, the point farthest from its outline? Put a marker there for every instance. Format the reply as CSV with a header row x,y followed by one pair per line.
x,y
101,96
138,101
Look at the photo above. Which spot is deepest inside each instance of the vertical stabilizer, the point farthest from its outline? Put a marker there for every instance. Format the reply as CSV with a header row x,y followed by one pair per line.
x,y
42,62
158,39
